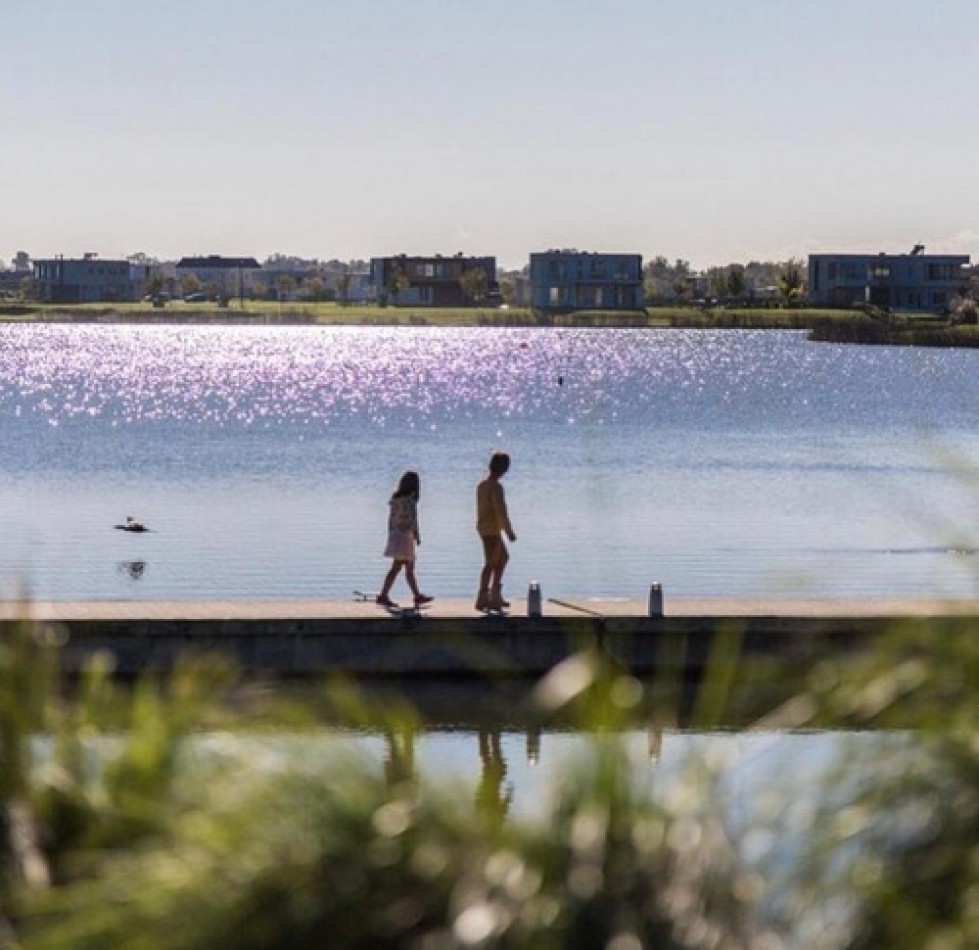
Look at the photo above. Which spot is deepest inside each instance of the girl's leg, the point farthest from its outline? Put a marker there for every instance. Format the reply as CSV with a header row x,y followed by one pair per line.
x,y
420,598
410,578
391,577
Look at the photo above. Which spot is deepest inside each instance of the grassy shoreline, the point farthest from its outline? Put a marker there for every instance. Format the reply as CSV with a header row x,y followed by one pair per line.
x,y
844,326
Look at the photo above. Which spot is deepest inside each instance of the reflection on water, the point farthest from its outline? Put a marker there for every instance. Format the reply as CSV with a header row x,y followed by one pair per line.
x,y
494,794
399,757
719,463
135,569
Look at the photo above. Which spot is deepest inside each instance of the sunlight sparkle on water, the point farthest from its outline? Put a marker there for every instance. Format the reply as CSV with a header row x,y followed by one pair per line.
x,y
259,376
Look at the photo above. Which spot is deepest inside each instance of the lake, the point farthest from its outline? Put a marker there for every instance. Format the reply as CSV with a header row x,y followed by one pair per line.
x,y
719,463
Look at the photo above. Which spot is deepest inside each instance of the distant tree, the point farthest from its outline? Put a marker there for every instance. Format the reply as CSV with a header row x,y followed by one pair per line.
x,y
189,284
736,284
681,269
661,279
790,283
27,289
344,280
508,291
290,262
473,283
260,290
763,273
395,281
285,285
681,288
155,284
313,288
658,278
659,267
964,310
212,290
717,278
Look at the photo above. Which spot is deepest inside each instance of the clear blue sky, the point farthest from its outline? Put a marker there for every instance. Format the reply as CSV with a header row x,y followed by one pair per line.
x,y
714,130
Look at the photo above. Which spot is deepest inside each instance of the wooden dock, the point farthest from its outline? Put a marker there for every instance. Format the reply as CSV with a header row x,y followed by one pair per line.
x,y
450,639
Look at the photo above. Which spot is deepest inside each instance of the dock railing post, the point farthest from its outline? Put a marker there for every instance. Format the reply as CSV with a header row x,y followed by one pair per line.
x,y
655,600
533,600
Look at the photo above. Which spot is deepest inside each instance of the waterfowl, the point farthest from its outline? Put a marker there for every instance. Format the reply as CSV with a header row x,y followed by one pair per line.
x,y
131,525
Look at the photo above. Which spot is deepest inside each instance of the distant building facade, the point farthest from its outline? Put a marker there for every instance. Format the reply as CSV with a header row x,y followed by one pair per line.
x,y
87,280
915,281
227,274
11,282
581,280
438,281
354,286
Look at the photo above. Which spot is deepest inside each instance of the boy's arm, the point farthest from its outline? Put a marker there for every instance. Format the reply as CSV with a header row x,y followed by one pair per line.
x,y
504,516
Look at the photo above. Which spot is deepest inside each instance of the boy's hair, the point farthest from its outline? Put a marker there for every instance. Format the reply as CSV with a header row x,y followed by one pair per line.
x,y
499,463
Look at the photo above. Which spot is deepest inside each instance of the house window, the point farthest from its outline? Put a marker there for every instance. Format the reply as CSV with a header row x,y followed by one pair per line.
x,y
554,296
879,270
941,272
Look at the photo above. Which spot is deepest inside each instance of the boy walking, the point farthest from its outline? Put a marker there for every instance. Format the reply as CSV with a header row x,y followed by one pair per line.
x,y
492,522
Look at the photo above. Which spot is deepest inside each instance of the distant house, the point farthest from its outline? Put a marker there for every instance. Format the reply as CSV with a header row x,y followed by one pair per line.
x,y
87,280
226,273
914,282
438,281
10,282
352,286
581,280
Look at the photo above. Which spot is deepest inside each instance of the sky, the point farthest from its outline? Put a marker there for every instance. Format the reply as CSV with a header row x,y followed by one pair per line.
x,y
712,130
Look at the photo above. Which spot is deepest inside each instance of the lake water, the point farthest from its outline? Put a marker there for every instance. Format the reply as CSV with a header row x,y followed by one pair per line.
x,y
768,798
720,463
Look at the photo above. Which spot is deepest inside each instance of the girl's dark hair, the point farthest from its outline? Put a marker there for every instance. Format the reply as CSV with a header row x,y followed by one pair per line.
x,y
410,484
499,463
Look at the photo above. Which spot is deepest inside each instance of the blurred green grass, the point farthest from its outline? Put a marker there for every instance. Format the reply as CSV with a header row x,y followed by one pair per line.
x,y
117,836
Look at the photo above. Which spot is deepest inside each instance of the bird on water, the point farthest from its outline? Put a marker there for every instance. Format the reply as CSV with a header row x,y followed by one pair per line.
x,y
132,525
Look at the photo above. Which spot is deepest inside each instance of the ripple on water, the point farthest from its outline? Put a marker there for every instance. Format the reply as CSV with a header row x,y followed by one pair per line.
x,y
712,461
261,376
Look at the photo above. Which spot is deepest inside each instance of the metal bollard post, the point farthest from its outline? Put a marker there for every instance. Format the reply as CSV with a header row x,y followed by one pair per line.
x,y
655,600
533,600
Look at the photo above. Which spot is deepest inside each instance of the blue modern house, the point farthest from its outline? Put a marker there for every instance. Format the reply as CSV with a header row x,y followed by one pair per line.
x,y
87,280
582,280
915,281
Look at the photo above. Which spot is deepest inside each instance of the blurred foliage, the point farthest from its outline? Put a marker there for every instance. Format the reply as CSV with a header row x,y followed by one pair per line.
x,y
137,815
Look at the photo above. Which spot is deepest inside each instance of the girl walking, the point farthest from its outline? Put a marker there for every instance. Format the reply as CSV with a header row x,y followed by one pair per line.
x,y
402,537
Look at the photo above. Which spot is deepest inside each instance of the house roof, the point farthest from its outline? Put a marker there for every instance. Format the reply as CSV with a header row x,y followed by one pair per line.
x,y
215,260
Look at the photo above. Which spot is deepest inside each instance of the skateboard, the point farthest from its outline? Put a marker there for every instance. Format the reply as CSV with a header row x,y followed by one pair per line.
x,y
408,612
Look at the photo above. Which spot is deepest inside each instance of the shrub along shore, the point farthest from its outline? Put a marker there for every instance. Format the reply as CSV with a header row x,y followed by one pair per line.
x,y
844,326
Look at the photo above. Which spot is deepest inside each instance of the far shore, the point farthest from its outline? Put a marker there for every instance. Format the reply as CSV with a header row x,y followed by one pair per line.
x,y
847,326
